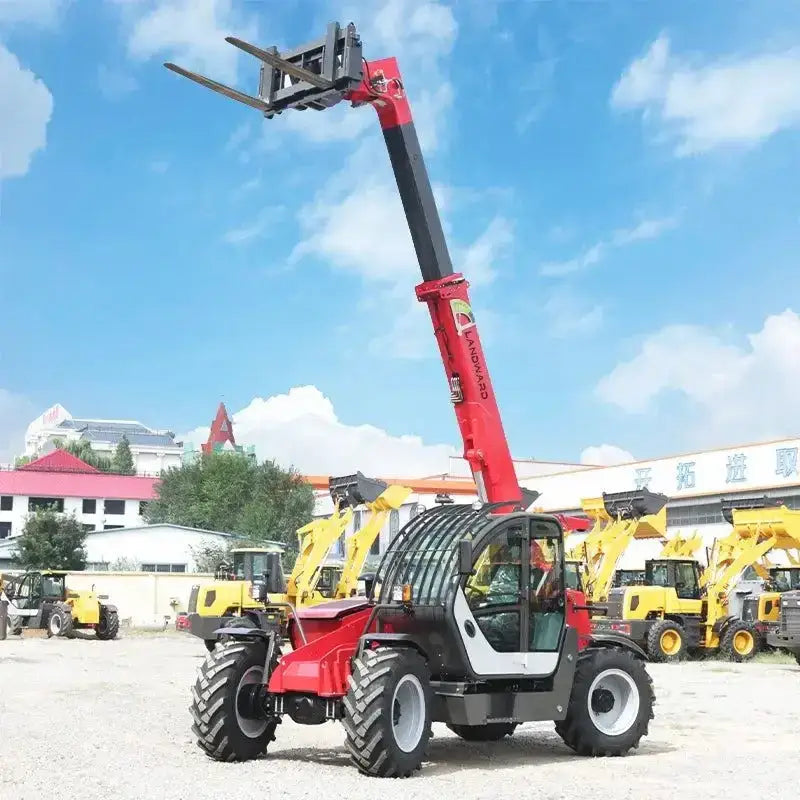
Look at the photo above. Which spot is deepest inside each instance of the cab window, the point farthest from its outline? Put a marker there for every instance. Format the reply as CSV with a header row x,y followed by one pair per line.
x,y
686,586
546,592
494,590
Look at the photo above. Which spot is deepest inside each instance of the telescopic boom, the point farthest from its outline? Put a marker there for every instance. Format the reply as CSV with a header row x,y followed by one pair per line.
x,y
318,76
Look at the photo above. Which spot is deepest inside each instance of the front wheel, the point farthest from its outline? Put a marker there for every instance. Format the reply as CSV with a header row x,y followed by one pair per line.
x,y
739,642
666,641
387,712
610,706
108,627
60,622
229,719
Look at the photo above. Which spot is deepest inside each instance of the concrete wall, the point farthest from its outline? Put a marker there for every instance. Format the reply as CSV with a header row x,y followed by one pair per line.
x,y
143,598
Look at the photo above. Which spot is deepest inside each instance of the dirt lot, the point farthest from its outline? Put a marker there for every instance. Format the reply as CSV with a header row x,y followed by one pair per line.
x,y
93,719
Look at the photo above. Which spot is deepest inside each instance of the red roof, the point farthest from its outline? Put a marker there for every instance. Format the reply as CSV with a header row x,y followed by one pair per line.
x,y
59,461
221,430
36,483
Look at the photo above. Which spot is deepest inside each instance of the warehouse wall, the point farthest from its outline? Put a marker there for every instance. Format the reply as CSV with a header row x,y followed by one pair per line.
x,y
143,598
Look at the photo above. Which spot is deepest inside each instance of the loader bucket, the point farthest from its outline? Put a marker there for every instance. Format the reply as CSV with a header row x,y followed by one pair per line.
x,y
635,504
729,506
594,507
355,490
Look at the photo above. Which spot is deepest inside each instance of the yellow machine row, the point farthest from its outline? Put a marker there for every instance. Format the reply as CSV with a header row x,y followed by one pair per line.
x,y
42,600
683,607
253,589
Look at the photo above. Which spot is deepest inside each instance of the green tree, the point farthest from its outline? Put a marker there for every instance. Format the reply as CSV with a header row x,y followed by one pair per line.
x,y
122,462
51,540
81,449
230,492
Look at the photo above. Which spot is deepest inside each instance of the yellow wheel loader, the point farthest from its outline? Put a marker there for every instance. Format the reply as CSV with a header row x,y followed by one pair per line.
x,y
618,519
255,593
683,608
41,600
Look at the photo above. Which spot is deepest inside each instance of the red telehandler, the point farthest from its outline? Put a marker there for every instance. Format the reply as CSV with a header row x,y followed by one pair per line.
x,y
469,621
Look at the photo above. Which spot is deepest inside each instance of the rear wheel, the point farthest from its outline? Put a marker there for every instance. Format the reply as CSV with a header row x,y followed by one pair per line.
x,y
108,627
739,642
666,641
229,721
610,706
387,712
60,622
490,732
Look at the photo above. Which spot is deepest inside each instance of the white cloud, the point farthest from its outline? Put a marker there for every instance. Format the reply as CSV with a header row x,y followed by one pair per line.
x,y
732,101
300,428
256,229
114,84
45,13
26,106
190,33
16,412
738,392
646,229
569,315
605,455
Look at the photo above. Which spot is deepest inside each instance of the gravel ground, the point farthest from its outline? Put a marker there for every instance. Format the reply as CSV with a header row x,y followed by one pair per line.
x,y
89,719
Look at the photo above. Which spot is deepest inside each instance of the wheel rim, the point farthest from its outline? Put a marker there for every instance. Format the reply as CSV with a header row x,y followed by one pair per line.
x,y
408,713
670,642
743,642
613,702
252,728
55,624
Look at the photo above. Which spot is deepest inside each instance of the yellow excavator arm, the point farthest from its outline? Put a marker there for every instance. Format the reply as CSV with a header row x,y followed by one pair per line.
x,y
757,530
680,547
619,518
316,540
360,542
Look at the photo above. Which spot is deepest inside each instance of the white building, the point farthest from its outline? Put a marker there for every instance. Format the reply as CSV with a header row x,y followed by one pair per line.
x,y
694,482
153,450
99,500
143,548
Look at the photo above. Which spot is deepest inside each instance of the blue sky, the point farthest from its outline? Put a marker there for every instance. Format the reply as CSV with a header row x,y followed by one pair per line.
x,y
618,179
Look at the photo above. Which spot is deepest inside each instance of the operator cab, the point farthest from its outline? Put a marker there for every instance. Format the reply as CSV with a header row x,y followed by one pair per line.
x,y
683,575
261,566
498,581
572,575
784,579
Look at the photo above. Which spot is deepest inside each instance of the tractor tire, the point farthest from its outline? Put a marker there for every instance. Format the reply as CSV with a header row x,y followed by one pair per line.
x,y
611,703
490,732
797,658
60,622
15,625
224,731
108,627
739,642
666,642
387,712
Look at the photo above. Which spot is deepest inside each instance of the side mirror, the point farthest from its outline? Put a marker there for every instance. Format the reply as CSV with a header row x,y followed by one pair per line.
x,y
465,557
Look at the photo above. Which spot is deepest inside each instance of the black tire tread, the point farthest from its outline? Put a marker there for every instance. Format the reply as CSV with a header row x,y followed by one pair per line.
x,y
209,700
363,713
654,652
576,730
112,625
726,643
67,629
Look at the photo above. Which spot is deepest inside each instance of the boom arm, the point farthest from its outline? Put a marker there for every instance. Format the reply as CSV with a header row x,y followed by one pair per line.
x,y
321,74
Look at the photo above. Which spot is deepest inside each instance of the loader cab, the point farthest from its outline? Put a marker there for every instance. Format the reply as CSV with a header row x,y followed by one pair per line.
x,y
261,566
683,575
628,577
784,579
32,588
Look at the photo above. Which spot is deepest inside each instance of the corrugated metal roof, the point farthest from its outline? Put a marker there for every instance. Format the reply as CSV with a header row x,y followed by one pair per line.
x,y
114,437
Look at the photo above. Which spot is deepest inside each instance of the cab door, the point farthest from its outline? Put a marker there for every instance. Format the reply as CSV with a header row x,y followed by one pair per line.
x,y
510,615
